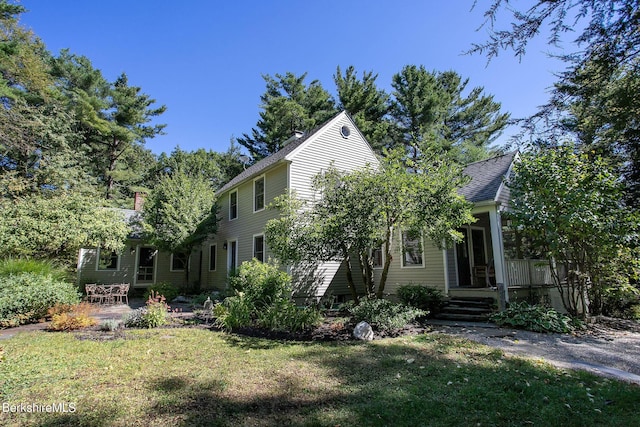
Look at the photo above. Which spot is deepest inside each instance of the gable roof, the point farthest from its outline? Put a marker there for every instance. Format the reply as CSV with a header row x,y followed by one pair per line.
x,y
487,177
264,164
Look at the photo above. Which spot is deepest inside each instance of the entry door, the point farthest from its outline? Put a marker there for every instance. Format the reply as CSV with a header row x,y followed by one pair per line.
x,y
463,259
146,258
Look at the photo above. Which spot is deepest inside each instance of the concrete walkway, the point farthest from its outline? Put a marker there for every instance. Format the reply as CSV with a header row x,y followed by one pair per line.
x,y
607,352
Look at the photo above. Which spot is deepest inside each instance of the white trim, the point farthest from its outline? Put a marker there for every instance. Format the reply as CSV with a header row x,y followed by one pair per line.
x,y
516,158
234,191
107,269
264,246
402,252
215,266
264,192
137,264
446,268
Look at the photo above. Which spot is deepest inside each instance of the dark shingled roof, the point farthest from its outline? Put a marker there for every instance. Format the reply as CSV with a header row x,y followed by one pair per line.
x,y
289,145
486,177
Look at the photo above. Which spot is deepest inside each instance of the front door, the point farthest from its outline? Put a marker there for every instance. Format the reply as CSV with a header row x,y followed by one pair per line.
x,y
146,261
463,259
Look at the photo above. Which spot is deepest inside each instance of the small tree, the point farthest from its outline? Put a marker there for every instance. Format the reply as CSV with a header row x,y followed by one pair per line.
x,y
568,205
362,210
180,213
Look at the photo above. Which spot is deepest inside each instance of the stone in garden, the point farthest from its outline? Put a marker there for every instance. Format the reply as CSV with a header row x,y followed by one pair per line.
x,y
208,304
363,331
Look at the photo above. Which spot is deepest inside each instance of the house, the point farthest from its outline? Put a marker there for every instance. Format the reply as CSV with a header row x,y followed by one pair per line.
x,y
478,266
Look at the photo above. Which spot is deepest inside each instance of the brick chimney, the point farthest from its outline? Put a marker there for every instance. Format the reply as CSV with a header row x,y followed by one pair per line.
x,y
138,201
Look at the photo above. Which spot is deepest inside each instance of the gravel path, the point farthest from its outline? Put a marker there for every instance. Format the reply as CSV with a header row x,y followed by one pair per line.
x,y
609,347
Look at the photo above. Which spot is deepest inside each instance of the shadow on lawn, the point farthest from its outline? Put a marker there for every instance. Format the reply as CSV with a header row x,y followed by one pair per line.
x,y
425,380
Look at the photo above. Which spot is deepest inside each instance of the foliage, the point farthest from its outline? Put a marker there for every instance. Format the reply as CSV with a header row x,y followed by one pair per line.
x,y
155,313
536,318
595,98
26,297
363,210
430,112
622,301
180,213
69,318
367,105
13,266
56,224
288,105
263,299
567,203
110,325
422,297
168,290
383,314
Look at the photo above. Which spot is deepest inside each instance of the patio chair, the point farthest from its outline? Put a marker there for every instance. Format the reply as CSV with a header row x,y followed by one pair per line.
x,y
90,290
120,293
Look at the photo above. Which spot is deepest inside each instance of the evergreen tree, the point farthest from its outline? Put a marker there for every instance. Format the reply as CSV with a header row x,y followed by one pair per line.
x,y
288,105
431,112
367,105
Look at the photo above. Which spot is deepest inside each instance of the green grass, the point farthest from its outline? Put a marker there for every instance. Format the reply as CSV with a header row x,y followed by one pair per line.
x,y
185,377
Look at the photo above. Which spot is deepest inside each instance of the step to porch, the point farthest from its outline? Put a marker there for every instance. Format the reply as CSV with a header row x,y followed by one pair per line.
x,y
468,309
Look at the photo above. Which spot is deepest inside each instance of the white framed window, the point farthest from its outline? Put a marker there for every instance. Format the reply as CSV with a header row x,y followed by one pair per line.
x,y
108,260
258,247
258,194
233,205
213,257
179,261
412,255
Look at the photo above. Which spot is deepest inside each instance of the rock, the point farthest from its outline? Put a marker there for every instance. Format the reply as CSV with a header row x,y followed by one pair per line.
x,y
208,305
363,331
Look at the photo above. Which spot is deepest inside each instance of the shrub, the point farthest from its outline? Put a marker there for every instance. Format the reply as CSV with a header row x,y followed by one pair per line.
x,y
168,290
68,318
154,314
26,297
621,301
535,318
422,297
263,299
14,266
384,315
110,325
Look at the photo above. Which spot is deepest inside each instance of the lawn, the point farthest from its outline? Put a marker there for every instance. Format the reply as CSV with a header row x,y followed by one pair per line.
x,y
189,377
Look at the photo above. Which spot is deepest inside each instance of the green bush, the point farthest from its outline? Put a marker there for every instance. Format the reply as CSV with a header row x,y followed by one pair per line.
x,y
422,297
13,266
154,314
262,299
385,315
535,318
26,297
621,301
168,290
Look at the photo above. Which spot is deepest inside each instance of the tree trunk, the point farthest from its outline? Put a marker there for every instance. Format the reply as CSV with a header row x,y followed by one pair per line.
x,y
111,167
387,263
352,285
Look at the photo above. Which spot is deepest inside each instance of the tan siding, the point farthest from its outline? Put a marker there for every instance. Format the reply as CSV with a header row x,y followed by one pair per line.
x,y
88,272
431,274
243,228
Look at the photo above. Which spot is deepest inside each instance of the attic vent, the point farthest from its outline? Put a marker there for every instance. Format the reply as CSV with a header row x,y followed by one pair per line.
x,y
345,131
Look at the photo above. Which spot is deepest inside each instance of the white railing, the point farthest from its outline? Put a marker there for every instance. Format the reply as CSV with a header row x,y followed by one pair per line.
x,y
526,272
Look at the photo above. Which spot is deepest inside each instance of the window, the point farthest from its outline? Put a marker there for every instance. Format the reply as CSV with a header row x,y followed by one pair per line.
x,y
411,250
233,205
232,259
378,258
258,194
179,261
213,257
258,247
107,260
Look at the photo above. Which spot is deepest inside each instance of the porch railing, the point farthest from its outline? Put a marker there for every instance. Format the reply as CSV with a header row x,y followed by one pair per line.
x,y
526,272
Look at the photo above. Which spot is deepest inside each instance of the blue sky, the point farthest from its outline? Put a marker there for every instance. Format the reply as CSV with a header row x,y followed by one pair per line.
x,y
204,59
